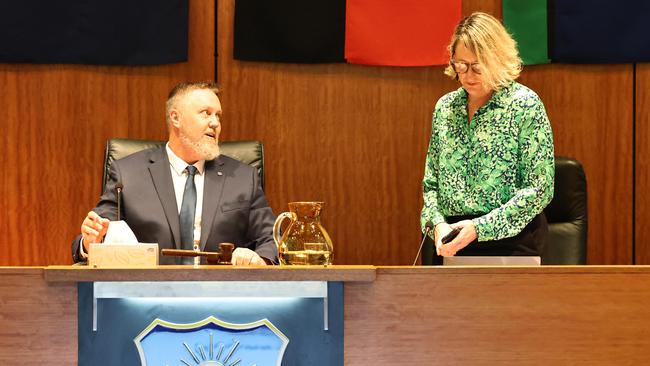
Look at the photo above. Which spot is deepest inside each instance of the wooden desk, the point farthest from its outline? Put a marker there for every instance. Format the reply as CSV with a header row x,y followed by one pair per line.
x,y
586,315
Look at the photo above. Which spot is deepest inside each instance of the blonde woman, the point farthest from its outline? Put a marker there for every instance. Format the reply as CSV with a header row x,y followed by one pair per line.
x,y
489,169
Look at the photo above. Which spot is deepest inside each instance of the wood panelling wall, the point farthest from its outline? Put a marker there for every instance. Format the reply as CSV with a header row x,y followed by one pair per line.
x,y
55,123
642,171
352,136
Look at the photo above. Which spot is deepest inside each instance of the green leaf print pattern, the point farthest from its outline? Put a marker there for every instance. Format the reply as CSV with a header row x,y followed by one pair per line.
x,y
500,167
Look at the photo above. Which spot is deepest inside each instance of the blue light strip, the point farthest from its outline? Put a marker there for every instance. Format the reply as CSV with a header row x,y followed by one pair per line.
x,y
210,289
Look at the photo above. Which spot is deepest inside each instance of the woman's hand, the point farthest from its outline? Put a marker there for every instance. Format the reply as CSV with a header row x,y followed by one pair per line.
x,y
440,231
466,235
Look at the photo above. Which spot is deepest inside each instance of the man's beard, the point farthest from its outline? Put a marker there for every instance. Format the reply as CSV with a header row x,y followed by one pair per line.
x,y
206,148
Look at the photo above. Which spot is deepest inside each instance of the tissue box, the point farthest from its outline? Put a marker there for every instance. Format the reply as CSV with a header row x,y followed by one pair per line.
x,y
123,255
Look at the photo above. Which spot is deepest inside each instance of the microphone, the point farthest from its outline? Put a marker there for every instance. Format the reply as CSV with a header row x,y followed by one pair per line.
x,y
118,189
427,230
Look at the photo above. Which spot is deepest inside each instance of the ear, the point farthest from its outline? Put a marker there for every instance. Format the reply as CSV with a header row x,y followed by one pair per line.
x,y
175,117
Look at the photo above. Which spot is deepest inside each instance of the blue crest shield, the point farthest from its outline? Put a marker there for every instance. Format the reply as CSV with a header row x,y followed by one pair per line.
x,y
211,342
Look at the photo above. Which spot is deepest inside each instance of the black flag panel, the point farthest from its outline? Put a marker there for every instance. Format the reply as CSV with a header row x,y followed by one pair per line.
x,y
103,32
298,31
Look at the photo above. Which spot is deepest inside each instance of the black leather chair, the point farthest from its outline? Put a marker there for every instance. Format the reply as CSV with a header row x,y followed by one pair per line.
x,y
248,152
566,215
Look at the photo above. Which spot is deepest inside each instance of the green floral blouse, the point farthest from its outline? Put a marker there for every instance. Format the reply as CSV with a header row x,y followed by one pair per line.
x,y
499,167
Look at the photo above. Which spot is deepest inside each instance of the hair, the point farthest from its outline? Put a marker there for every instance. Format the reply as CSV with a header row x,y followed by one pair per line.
x,y
182,89
486,37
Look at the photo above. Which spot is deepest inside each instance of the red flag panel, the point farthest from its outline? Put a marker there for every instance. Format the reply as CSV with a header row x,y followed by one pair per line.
x,y
400,33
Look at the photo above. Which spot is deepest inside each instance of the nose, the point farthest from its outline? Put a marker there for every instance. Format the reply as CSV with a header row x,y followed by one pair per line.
x,y
214,121
471,76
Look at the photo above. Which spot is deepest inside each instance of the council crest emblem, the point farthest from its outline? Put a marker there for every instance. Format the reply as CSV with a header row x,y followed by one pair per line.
x,y
211,342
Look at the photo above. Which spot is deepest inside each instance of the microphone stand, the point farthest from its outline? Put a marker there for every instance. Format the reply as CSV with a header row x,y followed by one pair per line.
x,y
427,230
118,189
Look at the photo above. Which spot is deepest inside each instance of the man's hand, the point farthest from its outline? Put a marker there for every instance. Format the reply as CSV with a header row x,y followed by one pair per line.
x,y
246,257
93,229
466,235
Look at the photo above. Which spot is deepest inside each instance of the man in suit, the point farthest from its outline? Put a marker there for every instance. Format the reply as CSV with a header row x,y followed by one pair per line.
x,y
185,192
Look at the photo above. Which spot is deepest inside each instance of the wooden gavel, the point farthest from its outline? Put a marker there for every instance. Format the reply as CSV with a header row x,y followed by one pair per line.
x,y
222,257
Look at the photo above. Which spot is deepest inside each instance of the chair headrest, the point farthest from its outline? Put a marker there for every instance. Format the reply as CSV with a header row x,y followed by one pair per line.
x,y
247,152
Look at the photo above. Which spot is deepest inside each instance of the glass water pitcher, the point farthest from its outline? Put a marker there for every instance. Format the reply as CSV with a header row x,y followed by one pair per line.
x,y
304,241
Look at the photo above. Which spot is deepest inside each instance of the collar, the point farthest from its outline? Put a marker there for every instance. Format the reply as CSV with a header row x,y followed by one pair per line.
x,y
179,164
499,98
502,95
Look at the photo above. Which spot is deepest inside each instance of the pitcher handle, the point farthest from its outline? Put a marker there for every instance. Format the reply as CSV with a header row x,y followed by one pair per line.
x,y
276,226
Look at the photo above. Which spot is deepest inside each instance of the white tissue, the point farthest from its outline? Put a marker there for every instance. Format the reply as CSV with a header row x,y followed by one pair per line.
x,y
119,232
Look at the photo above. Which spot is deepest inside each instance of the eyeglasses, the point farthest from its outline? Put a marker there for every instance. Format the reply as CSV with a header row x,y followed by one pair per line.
x,y
462,67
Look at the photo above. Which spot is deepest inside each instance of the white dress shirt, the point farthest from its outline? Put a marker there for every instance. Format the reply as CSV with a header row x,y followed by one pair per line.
x,y
179,177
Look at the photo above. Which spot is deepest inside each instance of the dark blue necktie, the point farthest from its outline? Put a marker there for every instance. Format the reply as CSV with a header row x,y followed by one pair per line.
x,y
188,208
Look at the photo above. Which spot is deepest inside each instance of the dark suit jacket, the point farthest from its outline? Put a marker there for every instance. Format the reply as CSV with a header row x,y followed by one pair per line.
x,y
235,209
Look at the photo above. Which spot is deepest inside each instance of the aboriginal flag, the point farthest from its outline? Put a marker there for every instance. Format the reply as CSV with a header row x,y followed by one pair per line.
x,y
371,32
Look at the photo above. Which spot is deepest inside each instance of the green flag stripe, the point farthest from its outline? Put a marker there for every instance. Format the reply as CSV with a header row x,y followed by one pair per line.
x,y
527,21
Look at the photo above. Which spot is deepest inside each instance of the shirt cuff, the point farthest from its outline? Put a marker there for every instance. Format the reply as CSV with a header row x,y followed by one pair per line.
x,y
82,252
483,229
